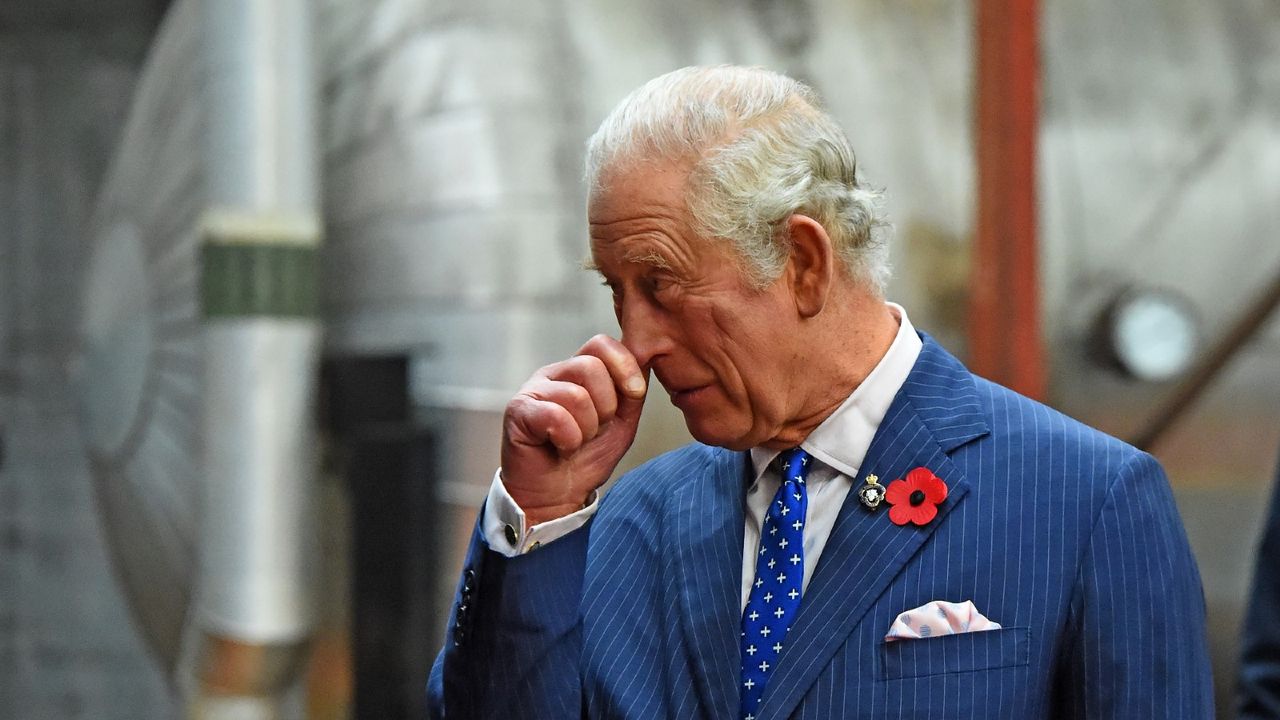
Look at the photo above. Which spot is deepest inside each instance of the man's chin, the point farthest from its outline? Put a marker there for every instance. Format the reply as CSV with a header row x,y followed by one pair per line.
x,y
710,433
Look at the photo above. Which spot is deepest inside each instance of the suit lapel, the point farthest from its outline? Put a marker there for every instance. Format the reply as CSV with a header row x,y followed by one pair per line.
x,y
709,527
935,411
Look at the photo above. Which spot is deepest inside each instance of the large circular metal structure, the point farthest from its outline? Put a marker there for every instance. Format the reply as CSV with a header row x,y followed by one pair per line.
x,y
140,369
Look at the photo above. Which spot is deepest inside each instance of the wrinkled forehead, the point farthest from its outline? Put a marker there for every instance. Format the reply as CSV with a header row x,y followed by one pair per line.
x,y
634,175
627,192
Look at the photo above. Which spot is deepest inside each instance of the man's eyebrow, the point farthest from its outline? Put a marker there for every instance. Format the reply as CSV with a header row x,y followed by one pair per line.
x,y
652,259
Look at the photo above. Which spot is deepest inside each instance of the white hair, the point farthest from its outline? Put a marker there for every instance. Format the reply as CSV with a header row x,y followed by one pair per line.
x,y
762,149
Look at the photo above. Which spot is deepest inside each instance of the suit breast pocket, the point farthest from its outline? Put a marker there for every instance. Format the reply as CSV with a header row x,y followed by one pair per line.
x,y
963,652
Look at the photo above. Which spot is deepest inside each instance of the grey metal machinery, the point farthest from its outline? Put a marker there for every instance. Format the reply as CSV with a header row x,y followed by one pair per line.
x,y
259,303
141,396
201,344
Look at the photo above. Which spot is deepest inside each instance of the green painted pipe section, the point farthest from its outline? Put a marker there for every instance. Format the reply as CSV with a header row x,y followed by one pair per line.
x,y
241,279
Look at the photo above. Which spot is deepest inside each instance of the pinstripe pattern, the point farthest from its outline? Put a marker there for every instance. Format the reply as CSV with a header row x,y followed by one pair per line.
x,y
1067,538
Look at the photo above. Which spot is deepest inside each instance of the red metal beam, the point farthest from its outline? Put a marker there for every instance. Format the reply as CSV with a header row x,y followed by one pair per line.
x,y
1004,302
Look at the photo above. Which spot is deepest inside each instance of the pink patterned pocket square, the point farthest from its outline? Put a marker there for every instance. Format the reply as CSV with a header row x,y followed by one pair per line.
x,y
939,617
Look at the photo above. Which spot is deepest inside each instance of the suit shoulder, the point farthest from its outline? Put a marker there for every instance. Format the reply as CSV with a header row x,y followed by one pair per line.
x,y
636,512
648,484
1033,418
1059,443
1037,459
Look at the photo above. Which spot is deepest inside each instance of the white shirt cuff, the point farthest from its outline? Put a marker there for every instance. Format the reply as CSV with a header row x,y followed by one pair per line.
x,y
504,522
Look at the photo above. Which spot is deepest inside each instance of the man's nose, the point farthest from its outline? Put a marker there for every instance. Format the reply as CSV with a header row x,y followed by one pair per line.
x,y
643,332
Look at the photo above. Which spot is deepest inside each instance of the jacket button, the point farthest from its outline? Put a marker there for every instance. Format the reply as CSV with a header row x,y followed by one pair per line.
x,y
468,580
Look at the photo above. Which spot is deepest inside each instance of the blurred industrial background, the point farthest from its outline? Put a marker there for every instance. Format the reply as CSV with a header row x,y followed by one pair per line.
x,y
269,270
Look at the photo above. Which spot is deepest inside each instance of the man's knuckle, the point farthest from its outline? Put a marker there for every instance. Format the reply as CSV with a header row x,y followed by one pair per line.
x,y
601,345
579,395
518,405
592,363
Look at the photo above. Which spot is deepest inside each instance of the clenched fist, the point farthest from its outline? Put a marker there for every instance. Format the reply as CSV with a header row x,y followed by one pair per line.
x,y
568,426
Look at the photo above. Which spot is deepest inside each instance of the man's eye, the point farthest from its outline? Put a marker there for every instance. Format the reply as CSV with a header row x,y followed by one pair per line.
x,y
614,290
660,284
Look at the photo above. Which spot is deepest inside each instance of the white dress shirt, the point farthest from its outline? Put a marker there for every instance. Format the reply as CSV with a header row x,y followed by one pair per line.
x,y
839,445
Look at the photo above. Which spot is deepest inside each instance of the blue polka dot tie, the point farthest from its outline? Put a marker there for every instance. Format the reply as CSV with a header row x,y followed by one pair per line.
x,y
775,593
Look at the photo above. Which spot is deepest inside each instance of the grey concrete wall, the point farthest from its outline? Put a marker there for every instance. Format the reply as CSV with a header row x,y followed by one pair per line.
x,y
68,646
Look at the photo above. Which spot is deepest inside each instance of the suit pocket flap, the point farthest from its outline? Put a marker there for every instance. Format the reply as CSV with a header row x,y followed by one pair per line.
x,y
962,652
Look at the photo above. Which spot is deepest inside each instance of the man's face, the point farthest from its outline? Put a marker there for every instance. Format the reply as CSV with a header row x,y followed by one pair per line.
x,y
723,350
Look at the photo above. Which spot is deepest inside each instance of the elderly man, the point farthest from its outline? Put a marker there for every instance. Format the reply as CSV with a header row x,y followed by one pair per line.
x,y
863,529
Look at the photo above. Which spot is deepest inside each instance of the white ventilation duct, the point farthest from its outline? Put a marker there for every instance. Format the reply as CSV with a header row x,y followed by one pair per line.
x,y
200,349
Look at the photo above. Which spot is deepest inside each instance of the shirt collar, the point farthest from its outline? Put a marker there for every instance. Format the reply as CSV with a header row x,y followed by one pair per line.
x,y
842,440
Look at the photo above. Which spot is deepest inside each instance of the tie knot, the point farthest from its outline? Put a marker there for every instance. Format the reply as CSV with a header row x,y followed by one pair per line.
x,y
795,464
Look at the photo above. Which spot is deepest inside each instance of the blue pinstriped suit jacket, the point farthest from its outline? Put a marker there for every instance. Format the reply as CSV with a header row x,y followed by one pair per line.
x,y
1066,537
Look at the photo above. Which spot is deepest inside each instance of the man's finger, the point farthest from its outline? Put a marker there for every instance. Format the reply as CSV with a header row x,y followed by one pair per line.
x,y
621,364
539,422
572,397
590,372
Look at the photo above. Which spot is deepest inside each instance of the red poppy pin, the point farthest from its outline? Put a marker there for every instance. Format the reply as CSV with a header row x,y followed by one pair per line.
x,y
916,498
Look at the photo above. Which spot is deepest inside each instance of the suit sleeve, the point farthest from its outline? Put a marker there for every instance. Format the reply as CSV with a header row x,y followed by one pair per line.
x,y
513,644
1139,647
1260,661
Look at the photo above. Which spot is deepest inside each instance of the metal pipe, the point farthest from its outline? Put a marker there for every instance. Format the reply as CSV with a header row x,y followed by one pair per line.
x,y
1004,303
261,236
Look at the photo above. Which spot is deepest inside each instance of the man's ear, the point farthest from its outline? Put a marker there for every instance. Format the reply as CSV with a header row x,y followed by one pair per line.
x,y
811,267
